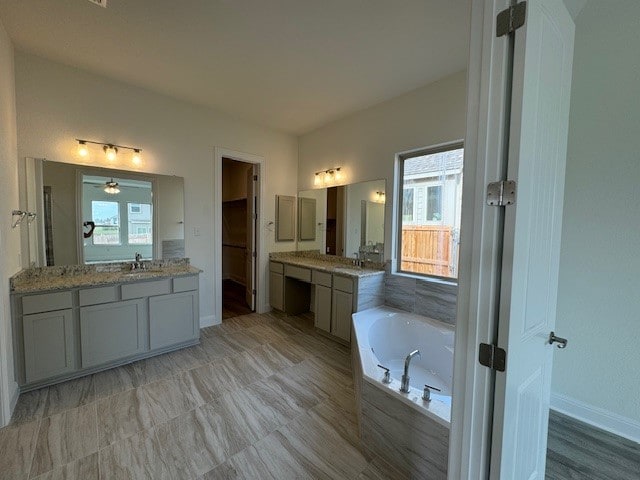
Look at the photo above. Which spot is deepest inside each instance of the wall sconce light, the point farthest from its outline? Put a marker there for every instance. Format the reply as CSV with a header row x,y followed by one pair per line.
x,y
83,151
327,177
110,150
380,197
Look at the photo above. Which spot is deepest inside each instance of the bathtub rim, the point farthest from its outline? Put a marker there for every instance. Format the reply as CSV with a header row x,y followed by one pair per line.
x,y
362,321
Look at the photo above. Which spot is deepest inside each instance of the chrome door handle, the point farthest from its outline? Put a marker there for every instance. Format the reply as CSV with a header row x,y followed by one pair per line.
x,y
562,342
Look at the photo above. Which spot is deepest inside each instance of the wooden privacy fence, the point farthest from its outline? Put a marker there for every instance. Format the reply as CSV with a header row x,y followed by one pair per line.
x,y
426,249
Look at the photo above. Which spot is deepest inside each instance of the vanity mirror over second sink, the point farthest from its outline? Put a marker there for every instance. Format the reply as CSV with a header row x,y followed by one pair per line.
x,y
346,220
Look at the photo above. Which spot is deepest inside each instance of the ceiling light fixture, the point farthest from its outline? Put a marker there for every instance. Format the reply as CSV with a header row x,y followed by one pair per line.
x,y
110,150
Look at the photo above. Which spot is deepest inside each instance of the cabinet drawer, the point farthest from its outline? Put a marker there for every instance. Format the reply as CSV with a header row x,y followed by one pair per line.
x,y
276,267
95,296
185,284
300,273
46,302
344,284
146,289
321,278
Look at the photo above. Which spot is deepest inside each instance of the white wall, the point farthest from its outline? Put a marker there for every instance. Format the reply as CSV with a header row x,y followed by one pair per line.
x,y
57,103
9,238
365,143
599,288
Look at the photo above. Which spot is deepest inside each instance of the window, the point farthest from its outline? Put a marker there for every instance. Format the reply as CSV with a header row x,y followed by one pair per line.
x,y
106,216
140,224
429,211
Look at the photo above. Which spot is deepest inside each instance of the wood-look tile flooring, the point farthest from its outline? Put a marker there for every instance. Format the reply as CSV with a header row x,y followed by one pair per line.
x,y
234,303
579,451
260,397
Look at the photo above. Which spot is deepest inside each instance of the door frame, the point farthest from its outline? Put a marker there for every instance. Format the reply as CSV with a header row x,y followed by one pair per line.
x,y
486,148
261,250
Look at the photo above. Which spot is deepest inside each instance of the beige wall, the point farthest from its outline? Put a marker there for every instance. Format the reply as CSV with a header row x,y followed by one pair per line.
x,y
57,103
9,238
365,143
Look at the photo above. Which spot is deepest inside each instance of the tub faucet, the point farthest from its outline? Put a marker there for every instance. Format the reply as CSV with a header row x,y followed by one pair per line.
x,y
404,388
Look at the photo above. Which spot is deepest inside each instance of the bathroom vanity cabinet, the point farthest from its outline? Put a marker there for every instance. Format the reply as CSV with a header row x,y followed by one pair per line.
x,y
335,295
73,332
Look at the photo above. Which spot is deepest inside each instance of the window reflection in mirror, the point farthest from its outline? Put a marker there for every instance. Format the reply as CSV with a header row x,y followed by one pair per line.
x,y
122,212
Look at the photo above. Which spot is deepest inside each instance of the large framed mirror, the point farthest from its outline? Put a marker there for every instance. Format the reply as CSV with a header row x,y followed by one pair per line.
x,y
90,215
348,220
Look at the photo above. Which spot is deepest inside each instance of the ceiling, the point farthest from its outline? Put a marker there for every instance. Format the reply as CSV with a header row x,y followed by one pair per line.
x,y
293,65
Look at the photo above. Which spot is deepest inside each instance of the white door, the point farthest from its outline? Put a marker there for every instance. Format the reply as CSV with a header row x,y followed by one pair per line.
x,y
543,56
252,211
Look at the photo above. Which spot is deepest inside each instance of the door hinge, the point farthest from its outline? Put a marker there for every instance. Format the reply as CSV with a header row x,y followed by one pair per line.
x,y
254,255
255,178
511,19
502,193
254,291
492,356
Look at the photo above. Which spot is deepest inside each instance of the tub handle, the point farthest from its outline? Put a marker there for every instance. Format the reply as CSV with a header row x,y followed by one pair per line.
x,y
387,374
426,394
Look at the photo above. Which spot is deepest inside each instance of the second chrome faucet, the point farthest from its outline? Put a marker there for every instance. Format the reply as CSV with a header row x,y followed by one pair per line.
x,y
405,387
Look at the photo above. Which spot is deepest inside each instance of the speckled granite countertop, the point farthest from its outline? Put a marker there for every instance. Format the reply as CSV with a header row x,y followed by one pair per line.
x,y
43,279
327,263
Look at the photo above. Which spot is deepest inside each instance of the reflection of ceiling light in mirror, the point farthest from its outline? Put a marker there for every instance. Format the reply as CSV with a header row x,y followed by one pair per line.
x,y
112,188
83,151
380,197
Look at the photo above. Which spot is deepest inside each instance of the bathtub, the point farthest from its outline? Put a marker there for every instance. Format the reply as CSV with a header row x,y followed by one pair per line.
x,y
408,432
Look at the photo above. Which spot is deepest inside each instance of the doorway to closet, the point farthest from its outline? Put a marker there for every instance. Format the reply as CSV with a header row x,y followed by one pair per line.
x,y
239,217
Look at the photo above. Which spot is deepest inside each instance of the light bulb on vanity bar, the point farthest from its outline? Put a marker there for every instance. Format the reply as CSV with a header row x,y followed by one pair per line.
x,y
83,151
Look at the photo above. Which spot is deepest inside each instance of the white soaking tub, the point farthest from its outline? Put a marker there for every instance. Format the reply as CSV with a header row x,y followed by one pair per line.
x,y
407,431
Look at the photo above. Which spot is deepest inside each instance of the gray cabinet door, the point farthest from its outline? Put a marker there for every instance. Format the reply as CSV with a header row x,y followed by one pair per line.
x,y
112,331
341,314
323,308
276,290
173,319
48,344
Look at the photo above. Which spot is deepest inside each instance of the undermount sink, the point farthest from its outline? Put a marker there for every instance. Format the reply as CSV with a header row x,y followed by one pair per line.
x,y
136,273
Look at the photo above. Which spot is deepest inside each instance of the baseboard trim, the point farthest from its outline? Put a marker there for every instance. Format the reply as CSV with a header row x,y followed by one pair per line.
x,y
208,321
597,417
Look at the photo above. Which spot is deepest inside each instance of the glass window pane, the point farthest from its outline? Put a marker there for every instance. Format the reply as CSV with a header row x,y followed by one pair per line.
x,y
106,216
431,218
140,224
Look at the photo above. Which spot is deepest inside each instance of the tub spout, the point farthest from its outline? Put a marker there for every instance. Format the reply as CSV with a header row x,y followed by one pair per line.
x,y
404,388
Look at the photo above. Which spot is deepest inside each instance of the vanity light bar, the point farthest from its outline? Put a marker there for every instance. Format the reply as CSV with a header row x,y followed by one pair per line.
x,y
110,150
326,177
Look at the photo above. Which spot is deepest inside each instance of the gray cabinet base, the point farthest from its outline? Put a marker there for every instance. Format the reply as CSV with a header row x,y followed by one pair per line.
x,y
27,387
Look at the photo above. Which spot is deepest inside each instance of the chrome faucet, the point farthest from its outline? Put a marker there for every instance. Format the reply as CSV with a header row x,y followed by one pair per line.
x,y
404,387
138,263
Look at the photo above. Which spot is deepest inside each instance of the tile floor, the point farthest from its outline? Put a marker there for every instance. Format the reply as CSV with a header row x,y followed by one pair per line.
x,y
258,398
